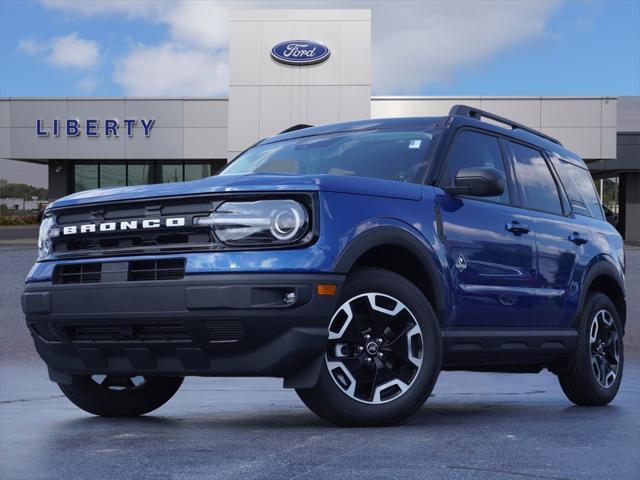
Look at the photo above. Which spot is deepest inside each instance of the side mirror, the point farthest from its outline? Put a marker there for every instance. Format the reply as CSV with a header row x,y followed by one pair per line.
x,y
478,182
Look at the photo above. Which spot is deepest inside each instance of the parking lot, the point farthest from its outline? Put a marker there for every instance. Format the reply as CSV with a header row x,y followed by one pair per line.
x,y
476,425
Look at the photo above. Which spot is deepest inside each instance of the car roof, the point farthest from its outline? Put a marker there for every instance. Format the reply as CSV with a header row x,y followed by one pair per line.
x,y
357,125
423,122
524,136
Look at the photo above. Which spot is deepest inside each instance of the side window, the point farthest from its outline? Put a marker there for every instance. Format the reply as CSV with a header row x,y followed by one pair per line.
x,y
579,187
473,149
533,173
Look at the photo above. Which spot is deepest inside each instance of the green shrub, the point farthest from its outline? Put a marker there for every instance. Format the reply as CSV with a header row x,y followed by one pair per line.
x,y
18,219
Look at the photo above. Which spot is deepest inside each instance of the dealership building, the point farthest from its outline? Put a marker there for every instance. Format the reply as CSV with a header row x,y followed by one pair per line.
x,y
289,67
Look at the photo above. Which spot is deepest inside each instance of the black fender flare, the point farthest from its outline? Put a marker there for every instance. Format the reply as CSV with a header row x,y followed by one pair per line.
x,y
601,268
377,236
400,237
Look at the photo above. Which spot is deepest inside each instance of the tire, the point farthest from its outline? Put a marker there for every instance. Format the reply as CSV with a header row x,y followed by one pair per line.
x,y
354,391
112,396
582,382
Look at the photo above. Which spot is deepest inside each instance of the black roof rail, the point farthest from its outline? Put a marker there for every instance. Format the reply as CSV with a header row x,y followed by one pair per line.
x,y
467,111
293,128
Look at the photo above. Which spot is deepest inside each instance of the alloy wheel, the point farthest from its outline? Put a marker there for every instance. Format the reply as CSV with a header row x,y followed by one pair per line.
x,y
375,348
605,348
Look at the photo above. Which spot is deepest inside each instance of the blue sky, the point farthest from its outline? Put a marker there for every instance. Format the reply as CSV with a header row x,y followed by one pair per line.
x,y
114,48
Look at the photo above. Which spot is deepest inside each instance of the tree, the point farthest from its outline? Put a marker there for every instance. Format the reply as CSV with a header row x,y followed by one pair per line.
x,y
21,190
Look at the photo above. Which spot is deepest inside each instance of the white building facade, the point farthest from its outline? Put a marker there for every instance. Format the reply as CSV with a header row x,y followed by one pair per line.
x,y
286,67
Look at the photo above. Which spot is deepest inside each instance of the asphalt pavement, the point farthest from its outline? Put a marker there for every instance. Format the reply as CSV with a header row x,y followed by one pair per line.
x,y
475,426
19,234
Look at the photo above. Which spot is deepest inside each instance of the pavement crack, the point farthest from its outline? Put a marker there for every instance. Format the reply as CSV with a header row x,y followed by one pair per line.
x,y
477,394
505,472
19,400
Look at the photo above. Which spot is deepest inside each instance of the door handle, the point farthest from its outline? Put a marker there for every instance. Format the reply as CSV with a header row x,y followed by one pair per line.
x,y
578,239
517,228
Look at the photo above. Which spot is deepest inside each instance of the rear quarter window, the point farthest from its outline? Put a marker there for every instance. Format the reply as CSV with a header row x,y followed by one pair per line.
x,y
580,189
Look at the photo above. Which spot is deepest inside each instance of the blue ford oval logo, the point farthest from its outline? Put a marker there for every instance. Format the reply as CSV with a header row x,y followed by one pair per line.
x,y
300,52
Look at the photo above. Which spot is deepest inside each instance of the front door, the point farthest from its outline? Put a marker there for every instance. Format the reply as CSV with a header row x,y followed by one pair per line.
x,y
490,244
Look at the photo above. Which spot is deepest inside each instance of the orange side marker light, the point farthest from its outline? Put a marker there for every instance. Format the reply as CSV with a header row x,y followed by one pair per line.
x,y
326,289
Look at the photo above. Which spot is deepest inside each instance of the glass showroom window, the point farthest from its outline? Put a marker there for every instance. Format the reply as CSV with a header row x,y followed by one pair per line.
x,y
171,172
140,173
609,192
113,175
102,174
85,176
196,171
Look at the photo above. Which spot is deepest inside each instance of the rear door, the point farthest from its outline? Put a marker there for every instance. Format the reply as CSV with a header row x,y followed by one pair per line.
x,y
490,245
560,236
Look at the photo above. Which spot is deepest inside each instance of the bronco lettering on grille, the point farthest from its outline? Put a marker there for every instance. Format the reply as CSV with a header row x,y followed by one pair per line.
x,y
124,225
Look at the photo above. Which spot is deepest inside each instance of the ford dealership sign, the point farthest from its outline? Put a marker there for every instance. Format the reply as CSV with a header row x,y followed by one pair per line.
x,y
93,127
300,52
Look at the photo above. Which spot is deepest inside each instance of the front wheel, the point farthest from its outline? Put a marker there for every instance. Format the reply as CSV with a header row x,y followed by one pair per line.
x,y
383,353
120,396
595,370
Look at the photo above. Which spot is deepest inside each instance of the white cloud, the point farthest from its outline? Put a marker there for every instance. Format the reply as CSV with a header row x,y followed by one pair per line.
x,y
420,43
68,51
89,83
201,24
168,70
415,43
99,8
73,51
31,46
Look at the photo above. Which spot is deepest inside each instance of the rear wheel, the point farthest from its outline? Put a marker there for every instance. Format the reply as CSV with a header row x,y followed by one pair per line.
x,y
595,370
120,396
383,353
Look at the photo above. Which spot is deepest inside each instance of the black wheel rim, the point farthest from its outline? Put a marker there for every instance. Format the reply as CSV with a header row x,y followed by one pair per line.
x,y
375,348
117,383
605,348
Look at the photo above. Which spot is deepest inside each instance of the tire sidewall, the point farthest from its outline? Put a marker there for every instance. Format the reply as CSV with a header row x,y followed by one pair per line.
x,y
388,283
594,304
98,400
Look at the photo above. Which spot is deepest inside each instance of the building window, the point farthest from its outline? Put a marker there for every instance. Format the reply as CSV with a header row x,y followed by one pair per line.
x,y
171,172
113,174
85,176
102,174
140,173
195,171
609,192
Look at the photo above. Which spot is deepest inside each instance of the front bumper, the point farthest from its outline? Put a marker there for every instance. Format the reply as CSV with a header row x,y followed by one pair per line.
x,y
210,325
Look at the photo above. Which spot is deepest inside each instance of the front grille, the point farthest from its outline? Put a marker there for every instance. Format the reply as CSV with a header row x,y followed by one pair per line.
x,y
78,273
224,331
124,229
135,271
147,226
128,333
144,270
126,241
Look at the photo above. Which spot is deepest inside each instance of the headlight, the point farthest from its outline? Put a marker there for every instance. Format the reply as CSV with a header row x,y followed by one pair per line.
x,y
47,232
264,222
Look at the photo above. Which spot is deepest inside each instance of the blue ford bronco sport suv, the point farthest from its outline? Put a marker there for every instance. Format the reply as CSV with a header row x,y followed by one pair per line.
x,y
354,260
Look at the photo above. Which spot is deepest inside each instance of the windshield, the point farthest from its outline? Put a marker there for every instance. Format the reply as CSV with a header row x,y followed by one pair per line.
x,y
401,155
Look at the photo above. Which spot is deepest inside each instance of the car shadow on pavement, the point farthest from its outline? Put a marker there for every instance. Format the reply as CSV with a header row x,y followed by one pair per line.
x,y
434,415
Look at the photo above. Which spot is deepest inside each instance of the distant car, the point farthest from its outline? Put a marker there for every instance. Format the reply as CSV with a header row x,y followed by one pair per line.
x,y
354,260
610,215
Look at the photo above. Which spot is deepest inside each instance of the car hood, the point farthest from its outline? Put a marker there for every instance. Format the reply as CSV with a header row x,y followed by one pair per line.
x,y
248,183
